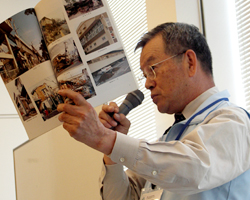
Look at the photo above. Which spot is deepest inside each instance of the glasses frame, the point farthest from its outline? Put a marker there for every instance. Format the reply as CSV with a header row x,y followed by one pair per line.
x,y
143,76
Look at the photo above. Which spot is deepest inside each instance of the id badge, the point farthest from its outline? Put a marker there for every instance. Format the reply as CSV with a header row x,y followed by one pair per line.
x,y
149,194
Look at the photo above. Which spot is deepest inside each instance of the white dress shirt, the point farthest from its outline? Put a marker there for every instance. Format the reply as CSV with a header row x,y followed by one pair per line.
x,y
212,151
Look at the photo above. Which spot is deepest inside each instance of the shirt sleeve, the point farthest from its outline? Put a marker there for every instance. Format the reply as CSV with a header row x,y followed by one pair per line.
x,y
120,185
211,154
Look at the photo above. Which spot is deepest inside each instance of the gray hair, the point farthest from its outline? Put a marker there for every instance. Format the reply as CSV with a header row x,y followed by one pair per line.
x,y
179,37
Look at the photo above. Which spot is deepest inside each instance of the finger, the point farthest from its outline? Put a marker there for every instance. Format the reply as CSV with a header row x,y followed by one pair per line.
x,y
64,117
72,130
74,109
106,124
106,116
111,108
123,123
114,106
121,118
75,96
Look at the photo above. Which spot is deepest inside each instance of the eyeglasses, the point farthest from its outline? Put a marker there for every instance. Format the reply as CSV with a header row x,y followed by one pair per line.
x,y
150,73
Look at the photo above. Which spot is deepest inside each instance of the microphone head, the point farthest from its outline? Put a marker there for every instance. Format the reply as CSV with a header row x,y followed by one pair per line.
x,y
135,98
132,100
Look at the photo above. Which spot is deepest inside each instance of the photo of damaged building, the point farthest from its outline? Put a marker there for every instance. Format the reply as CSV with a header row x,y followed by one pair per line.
x,y
80,83
96,33
16,56
76,8
23,101
53,29
46,99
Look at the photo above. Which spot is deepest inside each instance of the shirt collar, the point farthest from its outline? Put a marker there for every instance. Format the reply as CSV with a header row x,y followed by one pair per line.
x,y
193,105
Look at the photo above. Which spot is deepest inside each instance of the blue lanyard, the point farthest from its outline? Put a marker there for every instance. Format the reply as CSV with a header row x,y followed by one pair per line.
x,y
198,113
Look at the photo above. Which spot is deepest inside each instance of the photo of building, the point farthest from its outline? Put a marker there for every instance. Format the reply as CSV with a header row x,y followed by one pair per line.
x,y
79,82
23,101
64,56
96,33
46,98
54,27
21,46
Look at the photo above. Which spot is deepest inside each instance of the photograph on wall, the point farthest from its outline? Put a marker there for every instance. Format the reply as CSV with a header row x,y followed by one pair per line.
x,y
109,66
54,26
76,8
64,56
21,45
44,94
96,33
78,80
22,100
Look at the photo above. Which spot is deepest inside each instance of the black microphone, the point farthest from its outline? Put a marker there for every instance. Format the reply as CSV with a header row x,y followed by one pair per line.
x,y
132,100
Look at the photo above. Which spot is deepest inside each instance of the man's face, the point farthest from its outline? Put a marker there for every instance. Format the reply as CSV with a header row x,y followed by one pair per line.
x,y
170,86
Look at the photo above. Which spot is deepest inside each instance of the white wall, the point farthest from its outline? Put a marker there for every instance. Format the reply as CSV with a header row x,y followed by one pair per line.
x,y
221,34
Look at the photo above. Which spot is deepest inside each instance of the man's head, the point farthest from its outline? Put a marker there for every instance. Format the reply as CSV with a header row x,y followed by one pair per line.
x,y
179,37
182,65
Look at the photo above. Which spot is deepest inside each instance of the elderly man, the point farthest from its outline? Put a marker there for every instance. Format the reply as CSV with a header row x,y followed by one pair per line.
x,y
203,156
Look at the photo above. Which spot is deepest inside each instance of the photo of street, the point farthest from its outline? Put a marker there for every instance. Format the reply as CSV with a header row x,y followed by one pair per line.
x,y
64,56
79,81
54,26
109,66
96,33
44,94
21,45
23,101
76,8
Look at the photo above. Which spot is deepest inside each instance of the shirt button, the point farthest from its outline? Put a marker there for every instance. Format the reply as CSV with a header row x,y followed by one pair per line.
x,y
122,160
154,172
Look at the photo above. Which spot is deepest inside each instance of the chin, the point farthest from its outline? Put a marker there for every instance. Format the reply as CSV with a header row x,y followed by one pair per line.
x,y
161,109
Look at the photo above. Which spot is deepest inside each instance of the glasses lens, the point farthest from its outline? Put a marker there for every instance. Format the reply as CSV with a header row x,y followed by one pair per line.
x,y
142,79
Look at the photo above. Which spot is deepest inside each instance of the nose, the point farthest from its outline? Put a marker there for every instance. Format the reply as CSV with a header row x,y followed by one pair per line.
x,y
149,84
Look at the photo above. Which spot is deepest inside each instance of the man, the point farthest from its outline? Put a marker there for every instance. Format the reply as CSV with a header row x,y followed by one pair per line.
x,y
203,157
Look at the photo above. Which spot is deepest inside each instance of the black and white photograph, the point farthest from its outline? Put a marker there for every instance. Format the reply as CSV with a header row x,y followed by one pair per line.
x,y
54,26
64,56
109,66
96,33
76,8
21,45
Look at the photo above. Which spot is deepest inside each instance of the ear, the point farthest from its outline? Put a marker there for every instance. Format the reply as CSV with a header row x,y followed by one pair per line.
x,y
191,61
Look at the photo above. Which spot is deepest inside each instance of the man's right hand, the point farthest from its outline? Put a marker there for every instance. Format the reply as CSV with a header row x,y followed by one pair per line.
x,y
110,118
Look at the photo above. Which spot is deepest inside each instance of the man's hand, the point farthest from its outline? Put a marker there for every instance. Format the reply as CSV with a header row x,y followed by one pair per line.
x,y
111,119
83,124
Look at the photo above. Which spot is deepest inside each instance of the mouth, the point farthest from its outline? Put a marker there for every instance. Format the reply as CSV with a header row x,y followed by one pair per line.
x,y
153,97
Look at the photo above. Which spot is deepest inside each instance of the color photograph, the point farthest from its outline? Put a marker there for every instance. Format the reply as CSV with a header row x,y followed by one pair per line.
x,y
96,33
22,100
54,26
78,80
109,66
64,56
21,45
76,8
44,94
